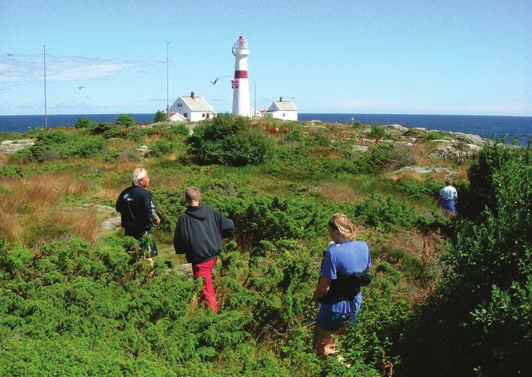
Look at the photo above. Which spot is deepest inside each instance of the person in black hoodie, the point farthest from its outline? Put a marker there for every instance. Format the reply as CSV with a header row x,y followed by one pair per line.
x,y
198,234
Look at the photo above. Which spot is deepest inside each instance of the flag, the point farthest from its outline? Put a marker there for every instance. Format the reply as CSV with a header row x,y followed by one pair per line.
x,y
234,84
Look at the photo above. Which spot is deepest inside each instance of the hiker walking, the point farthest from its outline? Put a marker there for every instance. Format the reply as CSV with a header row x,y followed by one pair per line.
x,y
198,234
137,210
343,272
448,194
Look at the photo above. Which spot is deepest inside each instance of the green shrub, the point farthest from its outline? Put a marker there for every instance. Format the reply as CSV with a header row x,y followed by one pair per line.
x,y
160,116
160,148
58,144
229,140
377,131
484,300
294,136
125,120
435,135
84,123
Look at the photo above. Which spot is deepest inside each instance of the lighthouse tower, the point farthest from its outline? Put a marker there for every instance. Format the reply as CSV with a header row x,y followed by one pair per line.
x,y
240,84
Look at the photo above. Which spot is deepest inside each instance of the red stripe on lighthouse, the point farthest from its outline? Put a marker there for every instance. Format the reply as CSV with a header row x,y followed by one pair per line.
x,y
241,74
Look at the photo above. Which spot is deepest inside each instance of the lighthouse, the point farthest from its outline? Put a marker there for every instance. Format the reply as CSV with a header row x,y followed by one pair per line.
x,y
240,84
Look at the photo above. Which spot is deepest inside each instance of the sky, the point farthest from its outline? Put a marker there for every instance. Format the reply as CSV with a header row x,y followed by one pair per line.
x,y
470,57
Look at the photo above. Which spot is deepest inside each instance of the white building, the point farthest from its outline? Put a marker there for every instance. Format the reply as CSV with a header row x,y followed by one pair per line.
x,y
191,108
282,109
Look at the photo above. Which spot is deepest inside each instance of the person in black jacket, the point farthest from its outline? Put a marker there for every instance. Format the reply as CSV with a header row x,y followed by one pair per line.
x,y
137,209
198,234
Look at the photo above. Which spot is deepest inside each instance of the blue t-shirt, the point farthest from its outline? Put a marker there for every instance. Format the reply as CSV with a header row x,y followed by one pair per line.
x,y
347,258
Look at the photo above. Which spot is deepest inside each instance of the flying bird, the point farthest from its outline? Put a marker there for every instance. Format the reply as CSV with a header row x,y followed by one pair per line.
x,y
8,54
80,87
215,81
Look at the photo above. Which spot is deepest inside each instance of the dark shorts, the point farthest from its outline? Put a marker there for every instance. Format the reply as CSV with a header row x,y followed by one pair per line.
x,y
332,321
151,247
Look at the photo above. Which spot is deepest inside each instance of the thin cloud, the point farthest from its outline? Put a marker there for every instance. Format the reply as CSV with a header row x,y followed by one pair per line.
x,y
25,68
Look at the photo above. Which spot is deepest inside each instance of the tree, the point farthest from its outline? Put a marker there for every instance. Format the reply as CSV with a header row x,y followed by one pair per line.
x,y
229,140
479,323
160,116
125,120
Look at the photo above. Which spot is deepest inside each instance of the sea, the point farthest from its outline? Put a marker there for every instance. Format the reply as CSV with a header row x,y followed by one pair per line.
x,y
518,128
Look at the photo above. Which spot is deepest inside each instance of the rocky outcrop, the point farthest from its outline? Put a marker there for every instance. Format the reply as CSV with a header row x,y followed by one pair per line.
x,y
12,146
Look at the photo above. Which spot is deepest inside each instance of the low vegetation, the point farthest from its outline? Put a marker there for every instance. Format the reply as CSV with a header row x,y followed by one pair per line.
x,y
450,296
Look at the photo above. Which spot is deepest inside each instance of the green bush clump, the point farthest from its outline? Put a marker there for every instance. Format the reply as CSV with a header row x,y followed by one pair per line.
x,y
435,135
419,190
125,120
229,140
377,131
160,116
84,123
294,136
377,160
384,214
160,148
484,300
58,144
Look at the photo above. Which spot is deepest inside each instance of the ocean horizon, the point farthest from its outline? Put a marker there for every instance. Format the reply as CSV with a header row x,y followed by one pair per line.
x,y
517,128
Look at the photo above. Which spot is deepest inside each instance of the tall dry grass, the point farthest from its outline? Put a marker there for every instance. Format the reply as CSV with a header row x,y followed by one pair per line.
x,y
32,210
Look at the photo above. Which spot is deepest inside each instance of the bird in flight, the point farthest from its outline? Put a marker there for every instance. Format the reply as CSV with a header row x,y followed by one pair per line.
x,y
8,54
80,87
215,81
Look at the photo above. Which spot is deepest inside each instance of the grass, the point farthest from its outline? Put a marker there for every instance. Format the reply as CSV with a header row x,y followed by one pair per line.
x,y
71,198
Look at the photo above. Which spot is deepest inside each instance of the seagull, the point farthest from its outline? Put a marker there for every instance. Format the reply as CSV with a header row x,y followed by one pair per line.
x,y
80,87
215,81
8,54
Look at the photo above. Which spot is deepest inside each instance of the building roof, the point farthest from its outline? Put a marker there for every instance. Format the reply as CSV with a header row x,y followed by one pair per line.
x,y
197,103
282,105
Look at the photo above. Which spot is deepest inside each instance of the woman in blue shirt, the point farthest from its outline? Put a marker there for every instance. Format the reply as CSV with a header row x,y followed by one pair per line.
x,y
338,290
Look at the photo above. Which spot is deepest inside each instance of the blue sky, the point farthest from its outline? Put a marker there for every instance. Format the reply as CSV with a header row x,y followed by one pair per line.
x,y
367,57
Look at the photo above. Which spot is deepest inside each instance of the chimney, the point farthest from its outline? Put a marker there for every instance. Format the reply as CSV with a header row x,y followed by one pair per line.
x,y
280,99
192,95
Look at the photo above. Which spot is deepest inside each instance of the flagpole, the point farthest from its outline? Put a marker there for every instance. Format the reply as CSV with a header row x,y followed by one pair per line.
x,y
167,103
45,107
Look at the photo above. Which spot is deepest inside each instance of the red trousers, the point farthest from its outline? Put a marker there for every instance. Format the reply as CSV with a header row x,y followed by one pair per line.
x,y
204,270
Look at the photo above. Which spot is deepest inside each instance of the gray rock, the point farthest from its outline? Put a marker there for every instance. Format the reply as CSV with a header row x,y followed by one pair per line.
x,y
397,127
357,149
111,223
12,146
425,170
469,138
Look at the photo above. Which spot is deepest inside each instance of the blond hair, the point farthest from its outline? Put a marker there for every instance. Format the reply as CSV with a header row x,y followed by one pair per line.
x,y
344,225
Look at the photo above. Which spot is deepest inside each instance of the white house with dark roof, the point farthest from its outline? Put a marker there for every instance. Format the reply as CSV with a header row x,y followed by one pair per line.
x,y
282,109
191,108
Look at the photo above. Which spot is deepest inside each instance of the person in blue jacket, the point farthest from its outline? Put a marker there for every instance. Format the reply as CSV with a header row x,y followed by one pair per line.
x,y
344,271
199,235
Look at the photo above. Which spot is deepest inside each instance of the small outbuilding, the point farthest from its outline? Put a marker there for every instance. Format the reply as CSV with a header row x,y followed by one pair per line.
x,y
282,109
191,108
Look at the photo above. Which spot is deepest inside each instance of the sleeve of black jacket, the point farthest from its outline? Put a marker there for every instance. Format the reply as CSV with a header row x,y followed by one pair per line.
x,y
226,226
